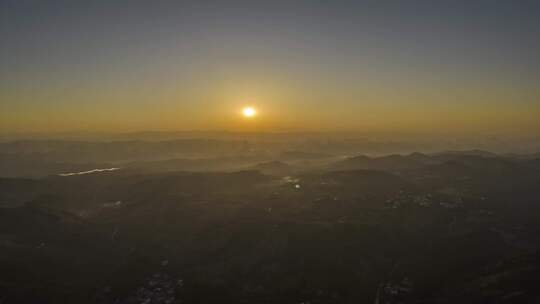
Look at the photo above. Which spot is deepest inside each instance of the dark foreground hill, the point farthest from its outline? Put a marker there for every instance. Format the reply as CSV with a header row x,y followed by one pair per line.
x,y
459,230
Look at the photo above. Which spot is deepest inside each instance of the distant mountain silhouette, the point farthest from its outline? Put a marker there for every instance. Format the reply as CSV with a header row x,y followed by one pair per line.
x,y
274,168
301,155
481,153
387,163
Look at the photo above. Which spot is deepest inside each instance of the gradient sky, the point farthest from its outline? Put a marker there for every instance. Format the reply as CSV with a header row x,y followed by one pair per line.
x,y
453,66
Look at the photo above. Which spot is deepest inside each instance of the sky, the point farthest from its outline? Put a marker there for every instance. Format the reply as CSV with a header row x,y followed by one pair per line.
x,y
416,66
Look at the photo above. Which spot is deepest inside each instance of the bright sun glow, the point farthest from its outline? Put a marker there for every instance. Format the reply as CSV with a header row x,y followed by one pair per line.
x,y
249,112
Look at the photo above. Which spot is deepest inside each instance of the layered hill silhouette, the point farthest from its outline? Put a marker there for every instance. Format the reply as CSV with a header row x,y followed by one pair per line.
x,y
273,227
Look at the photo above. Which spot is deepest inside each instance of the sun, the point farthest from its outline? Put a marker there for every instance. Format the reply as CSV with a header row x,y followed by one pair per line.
x,y
249,112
